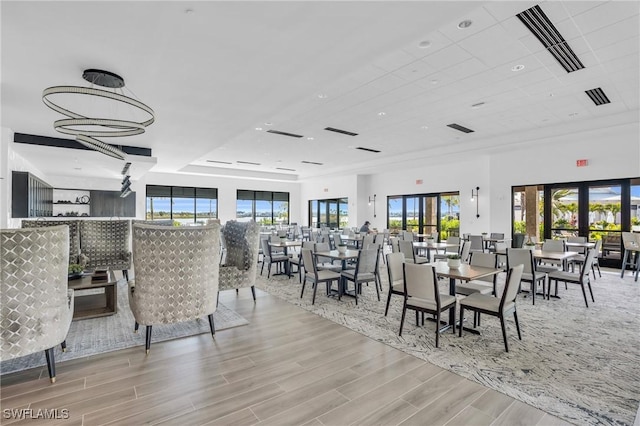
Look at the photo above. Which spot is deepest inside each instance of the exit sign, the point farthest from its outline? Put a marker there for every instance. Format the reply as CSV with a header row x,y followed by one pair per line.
x,y
582,163
419,182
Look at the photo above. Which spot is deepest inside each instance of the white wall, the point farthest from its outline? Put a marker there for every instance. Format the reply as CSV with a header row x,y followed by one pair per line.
x,y
330,187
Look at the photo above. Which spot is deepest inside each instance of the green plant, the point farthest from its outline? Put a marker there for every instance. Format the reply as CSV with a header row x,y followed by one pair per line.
x,y
454,256
75,268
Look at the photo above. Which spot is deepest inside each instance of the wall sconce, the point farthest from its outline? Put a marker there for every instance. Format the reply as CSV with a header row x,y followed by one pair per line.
x,y
474,197
373,200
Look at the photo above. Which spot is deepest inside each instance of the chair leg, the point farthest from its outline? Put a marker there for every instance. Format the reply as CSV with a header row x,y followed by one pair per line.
x,y
262,268
591,291
253,293
386,310
461,319
504,333
63,345
315,289
212,326
377,290
452,309
304,283
135,327
51,364
515,317
438,328
417,320
148,339
125,274
584,293
404,311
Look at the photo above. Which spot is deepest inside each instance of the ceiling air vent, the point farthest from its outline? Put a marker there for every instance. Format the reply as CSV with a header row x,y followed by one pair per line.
x,y
344,132
248,162
284,168
368,149
218,162
538,23
597,96
278,132
459,127
312,162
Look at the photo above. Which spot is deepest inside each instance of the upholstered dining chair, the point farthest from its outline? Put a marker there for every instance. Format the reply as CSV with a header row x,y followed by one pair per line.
x,y
580,278
366,271
106,244
270,257
37,306
529,273
410,256
176,275
395,271
631,245
454,249
316,276
241,261
298,260
74,236
485,285
485,304
422,295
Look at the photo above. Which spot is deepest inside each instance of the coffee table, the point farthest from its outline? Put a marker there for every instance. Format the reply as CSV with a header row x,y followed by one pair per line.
x,y
93,304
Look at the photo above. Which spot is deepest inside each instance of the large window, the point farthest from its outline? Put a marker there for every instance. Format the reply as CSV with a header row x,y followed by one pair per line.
x,y
425,213
333,213
266,208
181,204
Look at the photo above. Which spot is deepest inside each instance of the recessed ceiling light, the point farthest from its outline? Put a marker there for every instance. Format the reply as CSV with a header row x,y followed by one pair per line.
x,y
465,24
188,11
322,95
77,168
424,127
573,114
258,128
478,105
268,123
518,67
382,113
434,81
425,44
551,95
310,138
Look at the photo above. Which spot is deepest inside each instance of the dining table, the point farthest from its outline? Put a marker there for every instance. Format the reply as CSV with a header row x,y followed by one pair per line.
x,y
464,272
336,255
428,246
285,244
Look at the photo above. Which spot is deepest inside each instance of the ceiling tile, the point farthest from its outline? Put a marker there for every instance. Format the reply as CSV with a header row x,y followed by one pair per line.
x,y
606,36
502,11
481,20
606,14
447,57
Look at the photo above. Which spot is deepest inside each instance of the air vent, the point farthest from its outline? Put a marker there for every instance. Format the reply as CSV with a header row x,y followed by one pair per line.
x,y
284,168
278,132
125,169
597,96
538,23
368,149
248,162
459,127
312,162
344,132
219,162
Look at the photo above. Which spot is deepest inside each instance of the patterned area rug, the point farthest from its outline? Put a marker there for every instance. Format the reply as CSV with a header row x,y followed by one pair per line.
x,y
578,363
111,333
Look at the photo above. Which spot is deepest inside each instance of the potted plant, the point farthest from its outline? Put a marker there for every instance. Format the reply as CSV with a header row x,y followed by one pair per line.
x,y
454,261
342,248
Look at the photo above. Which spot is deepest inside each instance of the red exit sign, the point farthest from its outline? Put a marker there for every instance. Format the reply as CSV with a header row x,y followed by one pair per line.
x,y
582,163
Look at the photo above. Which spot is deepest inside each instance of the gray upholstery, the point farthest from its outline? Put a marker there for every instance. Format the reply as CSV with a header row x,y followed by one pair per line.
x,y
37,306
176,273
242,241
106,243
74,234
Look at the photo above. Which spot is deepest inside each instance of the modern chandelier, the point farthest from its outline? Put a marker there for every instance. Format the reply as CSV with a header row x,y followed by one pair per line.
x,y
87,129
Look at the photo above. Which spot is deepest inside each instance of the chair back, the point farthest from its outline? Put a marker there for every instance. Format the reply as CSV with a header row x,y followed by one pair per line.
x,y
553,245
407,235
629,241
34,266
576,240
337,239
175,277
368,239
518,241
266,248
395,248
307,260
511,288
420,281
456,249
597,249
521,257
497,236
395,262
309,245
477,242
465,250
106,243
486,260
588,262
74,234
367,262
241,241
406,248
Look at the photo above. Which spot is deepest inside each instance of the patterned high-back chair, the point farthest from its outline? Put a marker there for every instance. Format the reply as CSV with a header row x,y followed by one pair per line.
x,y
37,307
241,262
176,274
106,244
74,235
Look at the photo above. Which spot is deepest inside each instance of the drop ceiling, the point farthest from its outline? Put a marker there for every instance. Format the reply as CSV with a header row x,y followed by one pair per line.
x,y
220,75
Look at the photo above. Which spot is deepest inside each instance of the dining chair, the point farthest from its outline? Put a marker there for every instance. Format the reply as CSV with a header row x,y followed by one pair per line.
x,y
580,258
423,295
298,260
631,257
581,277
410,256
479,285
497,307
549,266
395,262
465,251
366,271
529,273
37,306
449,250
316,276
270,257
393,242
477,243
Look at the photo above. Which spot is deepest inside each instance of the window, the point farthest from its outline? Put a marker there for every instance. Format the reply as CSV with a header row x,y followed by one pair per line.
x,y
425,214
332,213
264,207
182,204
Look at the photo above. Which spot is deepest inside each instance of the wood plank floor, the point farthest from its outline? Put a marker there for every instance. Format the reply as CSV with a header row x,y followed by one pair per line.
x,y
288,367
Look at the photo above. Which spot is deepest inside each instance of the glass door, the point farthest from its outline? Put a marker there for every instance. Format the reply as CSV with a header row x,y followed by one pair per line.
x,y
563,212
333,213
412,214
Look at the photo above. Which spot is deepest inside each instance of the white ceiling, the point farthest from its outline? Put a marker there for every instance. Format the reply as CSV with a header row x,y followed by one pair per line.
x,y
215,71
